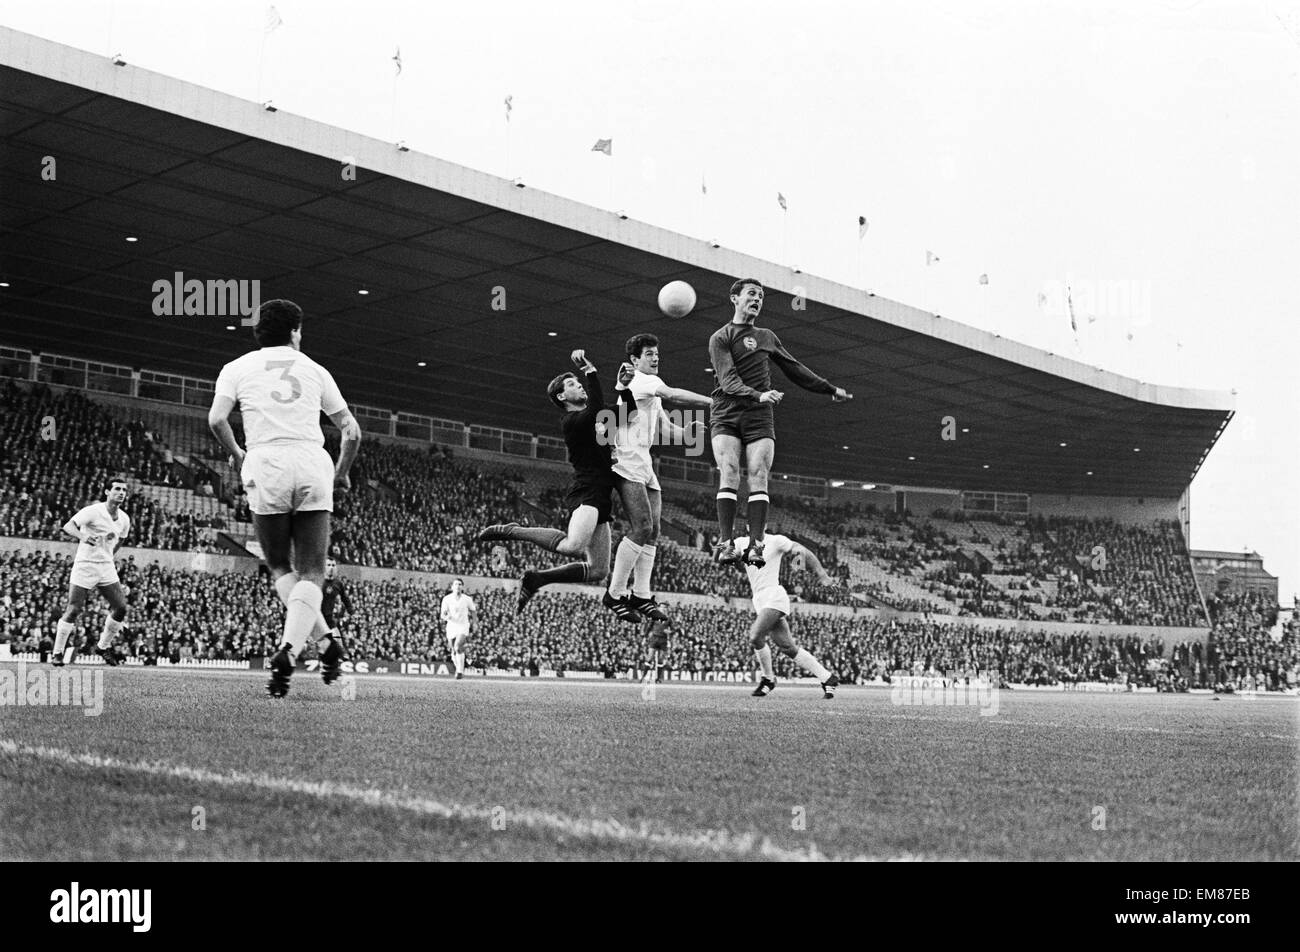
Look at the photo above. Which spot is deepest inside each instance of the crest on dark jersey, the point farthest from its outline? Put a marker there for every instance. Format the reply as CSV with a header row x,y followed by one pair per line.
x,y
750,343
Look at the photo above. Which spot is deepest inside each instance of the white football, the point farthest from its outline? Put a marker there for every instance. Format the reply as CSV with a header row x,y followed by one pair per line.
x,y
676,299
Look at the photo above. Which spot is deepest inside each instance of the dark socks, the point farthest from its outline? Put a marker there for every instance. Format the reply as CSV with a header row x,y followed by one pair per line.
x,y
726,514
547,538
572,572
757,505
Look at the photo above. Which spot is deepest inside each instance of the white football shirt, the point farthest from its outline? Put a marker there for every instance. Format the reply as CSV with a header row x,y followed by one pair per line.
x,y
456,609
96,520
641,432
768,578
281,393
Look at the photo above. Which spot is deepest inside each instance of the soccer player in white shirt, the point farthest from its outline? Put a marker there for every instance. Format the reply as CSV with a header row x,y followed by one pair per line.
x,y
100,528
287,473
772,608
638,487
457,612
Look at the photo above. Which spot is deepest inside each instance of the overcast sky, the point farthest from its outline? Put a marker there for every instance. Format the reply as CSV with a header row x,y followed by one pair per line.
x,y
1146,154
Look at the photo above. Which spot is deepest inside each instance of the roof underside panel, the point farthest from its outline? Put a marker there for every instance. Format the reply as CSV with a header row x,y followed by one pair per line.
x,y
493,296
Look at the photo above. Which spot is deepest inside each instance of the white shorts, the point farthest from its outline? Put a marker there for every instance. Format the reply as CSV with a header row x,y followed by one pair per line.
x,y
91,575
635,465
288,477
777,599
455,631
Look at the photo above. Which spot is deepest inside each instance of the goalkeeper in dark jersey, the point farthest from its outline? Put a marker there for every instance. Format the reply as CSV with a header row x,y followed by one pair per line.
x,y
741,415
332,592
589,432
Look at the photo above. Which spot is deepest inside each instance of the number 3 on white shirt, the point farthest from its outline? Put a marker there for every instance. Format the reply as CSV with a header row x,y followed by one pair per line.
x,y
284,366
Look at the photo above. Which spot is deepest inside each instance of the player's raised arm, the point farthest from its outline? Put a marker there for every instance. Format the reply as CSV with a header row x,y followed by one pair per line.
x,y
811,560
801,375
725,369
688,397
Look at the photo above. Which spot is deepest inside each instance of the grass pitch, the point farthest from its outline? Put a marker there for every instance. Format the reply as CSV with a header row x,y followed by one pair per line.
x,y
200,765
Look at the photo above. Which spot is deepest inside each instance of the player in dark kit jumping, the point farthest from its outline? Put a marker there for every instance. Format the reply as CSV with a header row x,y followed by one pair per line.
x,y
589,440
741,415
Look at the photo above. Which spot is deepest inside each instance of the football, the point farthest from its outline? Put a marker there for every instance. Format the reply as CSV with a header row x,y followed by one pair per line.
x,y
676,299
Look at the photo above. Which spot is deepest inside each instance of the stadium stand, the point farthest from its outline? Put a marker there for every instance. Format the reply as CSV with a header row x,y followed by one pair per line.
x,y
180,614
417,508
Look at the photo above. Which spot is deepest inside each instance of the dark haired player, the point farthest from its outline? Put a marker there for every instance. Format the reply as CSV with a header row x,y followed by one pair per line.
x,y
772,612
638,486
588,436
741,416
289,476
333,592
457,612
100,528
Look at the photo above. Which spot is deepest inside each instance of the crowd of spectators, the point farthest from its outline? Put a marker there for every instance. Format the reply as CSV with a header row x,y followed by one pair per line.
x,y
180,614
419,509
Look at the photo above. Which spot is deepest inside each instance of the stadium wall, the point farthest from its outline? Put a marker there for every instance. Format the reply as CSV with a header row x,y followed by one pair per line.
x,y
1127,510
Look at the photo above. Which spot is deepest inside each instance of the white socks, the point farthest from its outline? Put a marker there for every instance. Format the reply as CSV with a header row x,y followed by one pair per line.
x,y
458,659
645,565
284,588
624,559
63,631
810,664
302,616
764,655
111,630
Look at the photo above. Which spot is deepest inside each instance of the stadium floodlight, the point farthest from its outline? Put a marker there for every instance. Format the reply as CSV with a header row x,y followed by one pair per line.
x,y
622,215
518,183
269,106
118,60
713,243
403,147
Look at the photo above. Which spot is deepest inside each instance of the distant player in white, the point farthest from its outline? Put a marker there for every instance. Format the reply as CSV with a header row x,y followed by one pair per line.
x,y
100,528
638,487
289,476
457,612
772,607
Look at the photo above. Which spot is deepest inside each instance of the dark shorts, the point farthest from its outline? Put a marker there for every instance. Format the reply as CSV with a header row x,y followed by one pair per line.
x,y
595,491
747,420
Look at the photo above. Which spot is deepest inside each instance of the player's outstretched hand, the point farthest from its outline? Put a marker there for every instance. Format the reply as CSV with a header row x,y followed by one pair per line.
x,y
579,358
625,373
771,396
841,395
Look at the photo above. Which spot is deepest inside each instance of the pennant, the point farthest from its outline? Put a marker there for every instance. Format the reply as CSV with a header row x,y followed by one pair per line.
x,y
931,258
780,200
1069,301
984,279
604,145
272,19
862,226
509,105
397,58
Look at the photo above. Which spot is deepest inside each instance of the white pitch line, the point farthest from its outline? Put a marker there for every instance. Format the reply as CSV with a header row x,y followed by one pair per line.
x,y
714,842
